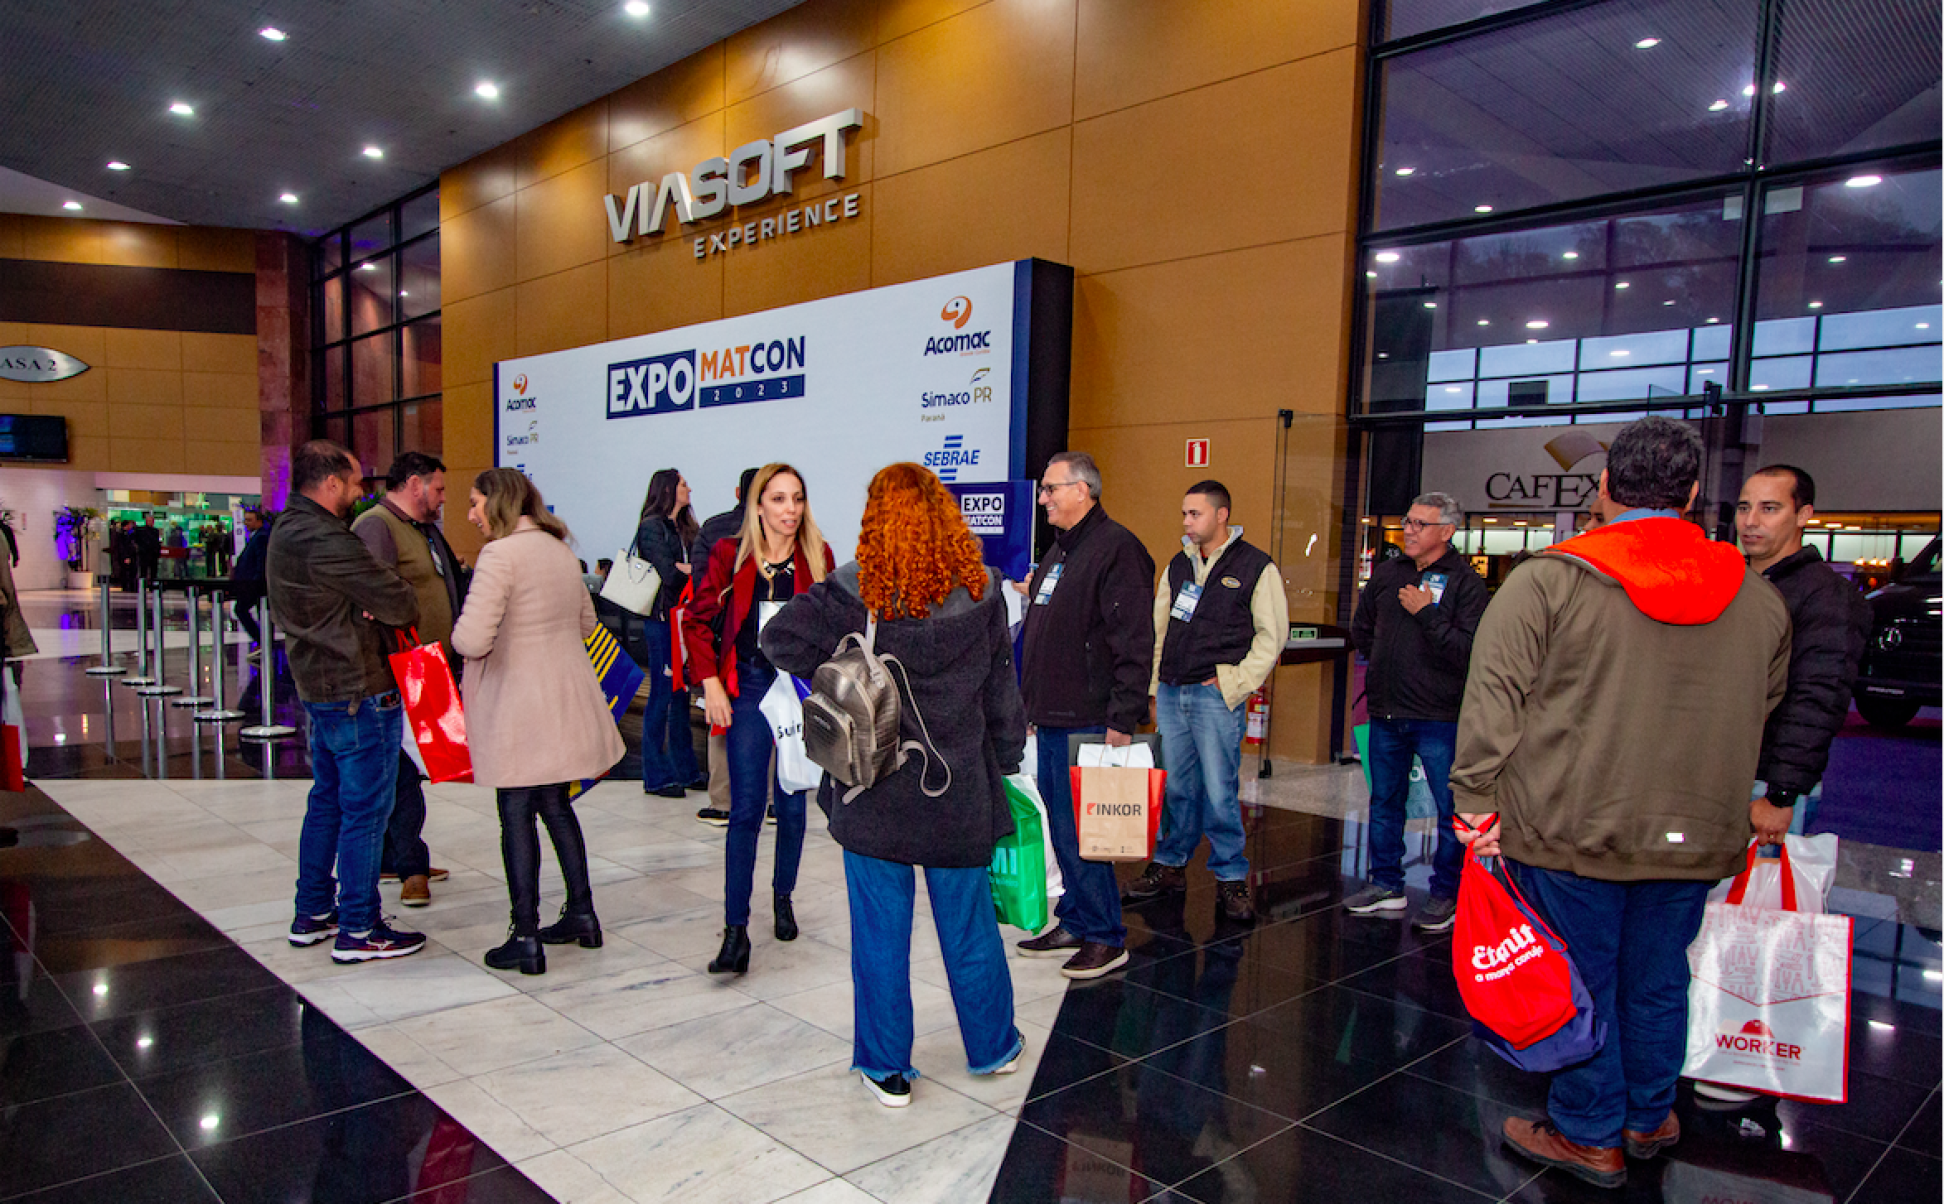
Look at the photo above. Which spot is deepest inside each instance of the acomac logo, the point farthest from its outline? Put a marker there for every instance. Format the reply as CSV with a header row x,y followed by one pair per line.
x,y
1757,1038
957,311
520,383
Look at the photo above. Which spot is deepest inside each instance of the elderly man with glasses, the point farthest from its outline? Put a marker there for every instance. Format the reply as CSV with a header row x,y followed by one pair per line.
x,y
1414,625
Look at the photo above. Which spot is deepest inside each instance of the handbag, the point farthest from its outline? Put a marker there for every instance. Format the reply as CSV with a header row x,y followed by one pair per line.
x,y
1117,797
782,707
1025,876
633,584
433,712
620,680
13,736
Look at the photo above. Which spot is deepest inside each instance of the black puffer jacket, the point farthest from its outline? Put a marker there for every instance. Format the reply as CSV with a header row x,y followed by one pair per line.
x,y
959,659
1418,661
1832,622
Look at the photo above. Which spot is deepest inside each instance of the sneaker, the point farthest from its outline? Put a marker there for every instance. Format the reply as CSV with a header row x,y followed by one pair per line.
x,y
1094,960
769,817
1156,880
1011,1064
415,893
306,931
380,943
1057,942
1234,901
1374,899
715,817
893,1092
1437,915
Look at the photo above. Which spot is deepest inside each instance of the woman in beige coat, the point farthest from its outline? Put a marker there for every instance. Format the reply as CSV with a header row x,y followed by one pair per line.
x,y
535,717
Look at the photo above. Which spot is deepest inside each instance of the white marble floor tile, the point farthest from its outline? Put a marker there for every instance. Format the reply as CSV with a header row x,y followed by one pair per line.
x,y
584,1094
830,1116
641,998
940,1057
746,1047
490,1120
681,935
484,1037
830,1007
567,964
425,984
778,968
698,1156
664,855
832,1191
397,1050
569,1180
959,1166
275,884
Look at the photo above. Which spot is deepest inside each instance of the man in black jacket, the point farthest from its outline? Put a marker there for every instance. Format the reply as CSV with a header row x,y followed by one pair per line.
x,y
1089,650
1832,622
1414,625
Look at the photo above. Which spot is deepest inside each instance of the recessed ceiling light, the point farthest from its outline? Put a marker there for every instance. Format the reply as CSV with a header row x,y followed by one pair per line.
x,y
374,152
1537,324
1815,305
1621,354
1838,258
1405,171
74,206
182,109
486,89
1622,284
1481,208
117,165
1370,274
1484,321
1646,43
1719,105
1862,181
271,33
367,267
1570,255
403,293
635,8
1430,305
1923,325
1779,87
211,1121
1383,355
288,198
1713,320
1749,90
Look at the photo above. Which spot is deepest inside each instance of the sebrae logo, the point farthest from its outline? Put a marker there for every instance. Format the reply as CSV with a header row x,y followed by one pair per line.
x,y
947,461
957,312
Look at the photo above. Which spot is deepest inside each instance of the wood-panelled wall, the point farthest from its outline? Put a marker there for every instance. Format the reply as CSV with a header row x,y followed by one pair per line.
x,y
1195,162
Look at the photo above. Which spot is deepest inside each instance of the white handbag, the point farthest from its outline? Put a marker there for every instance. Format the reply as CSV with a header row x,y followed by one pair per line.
x,y
633,584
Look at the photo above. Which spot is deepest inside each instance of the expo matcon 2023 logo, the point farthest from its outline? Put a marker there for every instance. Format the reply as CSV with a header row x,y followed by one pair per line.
x,y
680,381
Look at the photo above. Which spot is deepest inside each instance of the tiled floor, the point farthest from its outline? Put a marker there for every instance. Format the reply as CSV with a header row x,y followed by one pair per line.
x,y
159,1040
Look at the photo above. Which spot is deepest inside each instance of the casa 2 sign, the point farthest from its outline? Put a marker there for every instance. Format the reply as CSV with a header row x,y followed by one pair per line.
x,y
38,365
748,175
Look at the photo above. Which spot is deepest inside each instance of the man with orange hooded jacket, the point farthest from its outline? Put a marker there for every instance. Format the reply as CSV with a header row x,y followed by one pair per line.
x,y
1619,685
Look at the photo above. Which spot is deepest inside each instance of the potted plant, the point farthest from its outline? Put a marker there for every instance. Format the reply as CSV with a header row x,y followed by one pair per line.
x,y
75,531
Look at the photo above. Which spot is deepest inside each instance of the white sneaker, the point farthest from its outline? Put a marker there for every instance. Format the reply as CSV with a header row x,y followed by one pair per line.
x,y
894,1092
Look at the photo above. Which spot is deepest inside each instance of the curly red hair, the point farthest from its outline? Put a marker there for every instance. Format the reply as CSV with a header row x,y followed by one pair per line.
x,y
914,546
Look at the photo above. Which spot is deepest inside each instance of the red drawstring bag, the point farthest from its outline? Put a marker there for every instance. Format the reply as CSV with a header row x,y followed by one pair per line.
x,y
433,713
677,650
1512,971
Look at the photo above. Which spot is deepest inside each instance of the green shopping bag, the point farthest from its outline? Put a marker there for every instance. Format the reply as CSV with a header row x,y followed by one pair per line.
x,y
1418,803
1019,866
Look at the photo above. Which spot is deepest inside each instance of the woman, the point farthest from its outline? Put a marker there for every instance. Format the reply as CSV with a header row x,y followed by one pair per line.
x,y
667,529
939,612
779,555
535,716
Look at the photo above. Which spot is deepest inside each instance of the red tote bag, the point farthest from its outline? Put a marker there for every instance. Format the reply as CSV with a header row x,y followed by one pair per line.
x,y
433,713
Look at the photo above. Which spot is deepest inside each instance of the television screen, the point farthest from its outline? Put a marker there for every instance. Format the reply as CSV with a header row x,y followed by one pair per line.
x,y
33,437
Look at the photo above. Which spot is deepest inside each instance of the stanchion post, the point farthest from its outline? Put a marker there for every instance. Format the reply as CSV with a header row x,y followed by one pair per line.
x,y
161,684
192,698
269,729
219,710
107,667
142,677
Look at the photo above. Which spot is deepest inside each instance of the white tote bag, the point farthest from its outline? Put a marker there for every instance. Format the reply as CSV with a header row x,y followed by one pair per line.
x,y
783,708
633,584
1027,785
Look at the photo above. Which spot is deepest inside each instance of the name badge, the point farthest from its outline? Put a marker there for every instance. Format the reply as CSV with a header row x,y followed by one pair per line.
x,y
1435,582
765,611
1047,583
1184,603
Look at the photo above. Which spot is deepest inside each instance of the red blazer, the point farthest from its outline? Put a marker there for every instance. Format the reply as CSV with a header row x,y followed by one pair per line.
x,y
715,594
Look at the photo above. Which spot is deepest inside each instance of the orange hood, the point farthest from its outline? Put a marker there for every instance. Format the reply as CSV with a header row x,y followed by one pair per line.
x,y
1671,571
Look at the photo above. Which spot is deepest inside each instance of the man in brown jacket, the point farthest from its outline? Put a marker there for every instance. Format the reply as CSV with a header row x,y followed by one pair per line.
x,y
1619,685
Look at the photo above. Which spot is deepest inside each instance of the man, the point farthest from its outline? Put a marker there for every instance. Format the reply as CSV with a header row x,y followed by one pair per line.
x,y
1831,622
1612,721
1220,622
1414,624
248,573
727,525
402,533
148,548
330,597
1089,652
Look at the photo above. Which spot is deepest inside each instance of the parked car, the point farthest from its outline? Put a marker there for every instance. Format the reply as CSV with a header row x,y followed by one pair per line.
x,y
1902,664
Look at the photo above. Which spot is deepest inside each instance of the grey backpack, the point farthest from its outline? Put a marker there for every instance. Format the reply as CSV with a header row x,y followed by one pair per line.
x,y
850,720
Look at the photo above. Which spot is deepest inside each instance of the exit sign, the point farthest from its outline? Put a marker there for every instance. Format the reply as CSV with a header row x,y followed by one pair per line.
x,y
1198,453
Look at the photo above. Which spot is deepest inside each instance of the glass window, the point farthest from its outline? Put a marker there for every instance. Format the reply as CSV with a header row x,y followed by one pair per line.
x,y
420,215
1900,365
1866,241
1461,364
370,288
1633,350
418,278
422,425
371,236
1854,76
333,290
1407,18
332,375
330,254
374,438
373,369
1565,107
1715,373
1620,384
421,357
1786,372
1881,328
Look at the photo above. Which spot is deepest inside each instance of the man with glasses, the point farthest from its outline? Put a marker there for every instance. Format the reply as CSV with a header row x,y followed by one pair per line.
x,y
1089,650
1414,625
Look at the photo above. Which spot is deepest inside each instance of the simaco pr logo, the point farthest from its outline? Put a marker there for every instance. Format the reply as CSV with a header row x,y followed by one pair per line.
x,y
661,384
947,461
958,312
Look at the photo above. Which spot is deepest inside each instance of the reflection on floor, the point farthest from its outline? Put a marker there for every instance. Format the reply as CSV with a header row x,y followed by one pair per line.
x,y
162,1019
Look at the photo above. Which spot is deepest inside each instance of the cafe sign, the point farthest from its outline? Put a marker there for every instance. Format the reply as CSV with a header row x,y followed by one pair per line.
x,y
1526,469
38,365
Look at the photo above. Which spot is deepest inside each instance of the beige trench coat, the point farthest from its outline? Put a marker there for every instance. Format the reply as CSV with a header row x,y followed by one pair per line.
x,y
535,714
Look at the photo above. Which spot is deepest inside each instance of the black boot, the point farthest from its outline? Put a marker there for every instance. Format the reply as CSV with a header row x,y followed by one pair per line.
x,y
734,957
786,925
570,928
520,952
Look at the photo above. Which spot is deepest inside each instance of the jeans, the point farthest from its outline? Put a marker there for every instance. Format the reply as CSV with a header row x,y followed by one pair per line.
x,y
750,779
520,850
405,853
1090,909
1392,744
1202,737
354,771
975,963
667,749
1629,940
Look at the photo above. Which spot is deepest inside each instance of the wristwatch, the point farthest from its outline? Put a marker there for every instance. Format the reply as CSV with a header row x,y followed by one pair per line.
x,y
1783,798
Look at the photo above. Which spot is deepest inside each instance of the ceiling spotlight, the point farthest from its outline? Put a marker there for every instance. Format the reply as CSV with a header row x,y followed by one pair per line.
x,y
182,109
635,8
1371,275
1430,305
1537,324
117,165
487,90
271,33
1622,284
1481,208
1719,105
1862,181
367,266
1405,171
1749,90
1667,303
1646,43
1388,257
1815,305
288,198
1621,354
1838,258
1779,87
1570,255
374,152
73,206
403,293
1484,321
1711,321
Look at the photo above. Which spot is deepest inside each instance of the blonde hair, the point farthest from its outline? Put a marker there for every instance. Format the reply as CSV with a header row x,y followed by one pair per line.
x,y
511,496
809,540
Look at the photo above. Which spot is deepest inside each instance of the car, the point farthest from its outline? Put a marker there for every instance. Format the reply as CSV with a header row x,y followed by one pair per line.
x,y
1902,664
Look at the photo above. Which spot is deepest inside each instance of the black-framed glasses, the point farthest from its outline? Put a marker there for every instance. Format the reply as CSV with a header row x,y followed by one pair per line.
x,y
1047,487
1418,524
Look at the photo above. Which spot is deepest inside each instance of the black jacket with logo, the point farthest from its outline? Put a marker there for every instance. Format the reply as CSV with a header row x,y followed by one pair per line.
x,y
1089,650
1222,627
1418,662
1832,622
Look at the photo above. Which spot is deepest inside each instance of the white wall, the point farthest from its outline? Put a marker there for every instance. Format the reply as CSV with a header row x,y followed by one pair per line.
x,y
34,494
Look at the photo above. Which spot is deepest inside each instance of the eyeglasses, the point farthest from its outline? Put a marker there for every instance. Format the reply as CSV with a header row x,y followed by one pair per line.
x,y
1418,524
1046,488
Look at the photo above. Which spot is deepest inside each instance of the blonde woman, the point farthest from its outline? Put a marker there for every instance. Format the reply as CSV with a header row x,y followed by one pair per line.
x,y
535,716
781,554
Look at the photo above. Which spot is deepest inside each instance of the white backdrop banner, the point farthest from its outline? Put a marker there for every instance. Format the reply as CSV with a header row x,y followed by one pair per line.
x,y
932,371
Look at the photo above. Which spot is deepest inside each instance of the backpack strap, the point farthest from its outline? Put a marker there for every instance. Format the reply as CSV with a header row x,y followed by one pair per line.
x,y
923,748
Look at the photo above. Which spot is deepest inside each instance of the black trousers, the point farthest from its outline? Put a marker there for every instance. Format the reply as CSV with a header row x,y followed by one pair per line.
x,y
520,849
404,852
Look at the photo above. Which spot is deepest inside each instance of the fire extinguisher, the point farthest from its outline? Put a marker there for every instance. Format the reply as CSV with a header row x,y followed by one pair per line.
x,y
1258,719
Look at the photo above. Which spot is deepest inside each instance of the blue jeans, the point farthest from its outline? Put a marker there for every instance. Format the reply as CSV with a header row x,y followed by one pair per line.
x,y
1392,744
975,963
1629,940
750,787
1202,737
667,749
354,771
404,852
1090,909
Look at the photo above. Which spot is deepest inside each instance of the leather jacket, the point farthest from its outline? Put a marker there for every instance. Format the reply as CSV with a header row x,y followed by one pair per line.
x,y
322,582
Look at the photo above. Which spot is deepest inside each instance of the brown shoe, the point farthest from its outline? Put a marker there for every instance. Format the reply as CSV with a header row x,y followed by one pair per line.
x,y
415,892
1156,880
1233,898
435,874
1094,960
1054,942
1649,1145
1543,1143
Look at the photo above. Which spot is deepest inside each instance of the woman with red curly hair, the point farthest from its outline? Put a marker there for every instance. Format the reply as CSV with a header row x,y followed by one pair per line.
x,y
939,613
